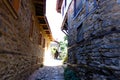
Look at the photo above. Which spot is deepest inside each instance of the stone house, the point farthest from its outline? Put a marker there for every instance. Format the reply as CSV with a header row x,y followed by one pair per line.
x,y
93,30
25,36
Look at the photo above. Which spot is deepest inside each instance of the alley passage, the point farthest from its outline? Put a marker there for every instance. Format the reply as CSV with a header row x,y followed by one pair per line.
x,y
52,70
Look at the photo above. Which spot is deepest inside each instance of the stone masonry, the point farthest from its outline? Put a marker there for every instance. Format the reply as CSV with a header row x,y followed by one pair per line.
x,y
19,56
94,40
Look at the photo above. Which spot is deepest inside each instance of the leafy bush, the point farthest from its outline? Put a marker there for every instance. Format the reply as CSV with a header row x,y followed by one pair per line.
x,y
70,74
63,48
65,58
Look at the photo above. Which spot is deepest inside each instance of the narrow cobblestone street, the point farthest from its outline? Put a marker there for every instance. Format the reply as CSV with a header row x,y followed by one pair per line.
x,y
52,70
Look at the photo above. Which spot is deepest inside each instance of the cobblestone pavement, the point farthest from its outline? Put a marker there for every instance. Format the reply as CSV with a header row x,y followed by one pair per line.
x,y
49,72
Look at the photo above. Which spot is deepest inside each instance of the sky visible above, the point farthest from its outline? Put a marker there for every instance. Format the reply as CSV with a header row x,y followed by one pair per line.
x,y
54,19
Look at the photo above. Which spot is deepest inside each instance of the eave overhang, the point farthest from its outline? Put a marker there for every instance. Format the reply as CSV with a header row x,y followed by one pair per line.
x,y
64,26
58,5
40,11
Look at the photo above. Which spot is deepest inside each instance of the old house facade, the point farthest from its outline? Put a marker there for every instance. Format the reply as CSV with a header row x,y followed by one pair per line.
x,y
25,36
93,29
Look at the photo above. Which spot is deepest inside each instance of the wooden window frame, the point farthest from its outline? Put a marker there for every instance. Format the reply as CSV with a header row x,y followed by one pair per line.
x,y
15,4
10,8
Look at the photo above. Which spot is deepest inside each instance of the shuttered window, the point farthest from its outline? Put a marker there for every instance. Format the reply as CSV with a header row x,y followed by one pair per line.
x,y
77,6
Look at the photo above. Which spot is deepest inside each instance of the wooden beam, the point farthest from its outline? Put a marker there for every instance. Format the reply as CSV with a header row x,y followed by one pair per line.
x,y
38,2
42,24
41,17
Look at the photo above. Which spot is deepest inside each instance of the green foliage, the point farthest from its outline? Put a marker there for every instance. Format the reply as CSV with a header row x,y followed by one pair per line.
x,y
65,58
65,38
70,74
63,48
53,49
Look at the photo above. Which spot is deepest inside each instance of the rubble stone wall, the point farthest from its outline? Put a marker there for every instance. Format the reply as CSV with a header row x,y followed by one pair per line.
x,y
94,41
19,56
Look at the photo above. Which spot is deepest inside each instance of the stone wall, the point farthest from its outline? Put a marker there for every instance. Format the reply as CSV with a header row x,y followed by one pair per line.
x,y
94,41
19,56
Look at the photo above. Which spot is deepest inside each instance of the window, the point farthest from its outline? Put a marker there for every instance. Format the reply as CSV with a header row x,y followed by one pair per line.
x,y
40,39
43,42
90,5
77,6
80,33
